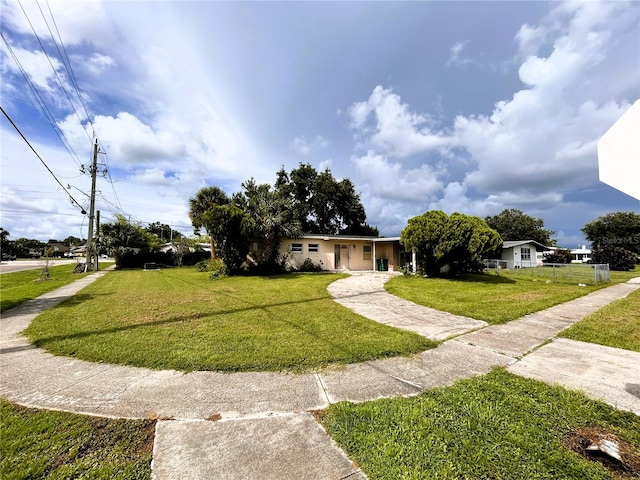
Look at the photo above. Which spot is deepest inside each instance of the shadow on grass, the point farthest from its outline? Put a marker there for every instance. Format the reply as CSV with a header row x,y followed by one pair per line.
x,y
473,278
42,303
481,278
175,319
267,308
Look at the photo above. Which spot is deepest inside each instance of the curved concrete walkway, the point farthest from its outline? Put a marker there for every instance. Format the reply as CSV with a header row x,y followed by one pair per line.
x,y
263,429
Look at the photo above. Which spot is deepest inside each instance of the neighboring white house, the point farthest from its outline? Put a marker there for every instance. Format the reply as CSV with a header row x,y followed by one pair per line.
x,y
343,252
521,253
581,255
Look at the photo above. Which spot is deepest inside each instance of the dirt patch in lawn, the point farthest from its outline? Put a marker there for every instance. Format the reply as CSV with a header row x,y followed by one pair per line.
x,y
597,444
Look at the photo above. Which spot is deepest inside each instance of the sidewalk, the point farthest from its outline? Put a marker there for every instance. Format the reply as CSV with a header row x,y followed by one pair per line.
x,y
264,429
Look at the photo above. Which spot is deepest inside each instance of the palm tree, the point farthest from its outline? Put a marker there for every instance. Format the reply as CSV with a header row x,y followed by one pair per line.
x,y
273,217
202,209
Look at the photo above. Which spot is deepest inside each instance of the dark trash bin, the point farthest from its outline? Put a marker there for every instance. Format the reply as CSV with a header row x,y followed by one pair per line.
x,y
383,264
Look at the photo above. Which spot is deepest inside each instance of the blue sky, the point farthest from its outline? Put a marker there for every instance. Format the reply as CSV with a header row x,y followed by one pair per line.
x,y
460,106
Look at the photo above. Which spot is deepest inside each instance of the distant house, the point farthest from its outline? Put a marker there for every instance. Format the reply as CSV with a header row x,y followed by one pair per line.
x,y
521,253
344,252
57,249
581,255
77,252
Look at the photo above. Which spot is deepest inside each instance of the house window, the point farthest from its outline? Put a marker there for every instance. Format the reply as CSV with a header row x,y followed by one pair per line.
x,y
525,253
296,248
314,248
366,252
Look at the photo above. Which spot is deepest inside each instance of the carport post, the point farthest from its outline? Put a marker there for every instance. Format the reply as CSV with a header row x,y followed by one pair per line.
x,y
413,260
373,256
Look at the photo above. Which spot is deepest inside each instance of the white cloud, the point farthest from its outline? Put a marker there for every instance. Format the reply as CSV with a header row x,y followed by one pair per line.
x,y
390,180
127,140
398,131
545,136
530,39
455,57
325,164
97,63
305,147
78,21
36,65
150,176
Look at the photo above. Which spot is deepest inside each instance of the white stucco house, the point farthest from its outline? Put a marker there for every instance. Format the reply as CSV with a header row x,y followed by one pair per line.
x,y
522,253
581,255
344,252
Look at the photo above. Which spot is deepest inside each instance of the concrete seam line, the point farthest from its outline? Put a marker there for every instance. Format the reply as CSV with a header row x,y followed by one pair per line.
x,y
323,388
154,451
407,382
487,349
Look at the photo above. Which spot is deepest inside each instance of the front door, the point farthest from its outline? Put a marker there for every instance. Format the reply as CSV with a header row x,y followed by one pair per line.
x,y
341,257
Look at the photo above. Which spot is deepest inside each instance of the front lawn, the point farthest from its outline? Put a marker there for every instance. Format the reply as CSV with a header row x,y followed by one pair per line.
x,y
494,299
46,444
498,426
18,287
179,319
616,325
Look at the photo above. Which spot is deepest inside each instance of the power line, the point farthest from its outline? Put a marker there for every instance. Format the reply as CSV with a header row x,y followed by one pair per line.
x,y
67,64
73,107
73,200
33,212
43,106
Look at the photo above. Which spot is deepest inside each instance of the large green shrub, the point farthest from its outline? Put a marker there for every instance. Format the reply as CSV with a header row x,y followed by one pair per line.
x,y
617,257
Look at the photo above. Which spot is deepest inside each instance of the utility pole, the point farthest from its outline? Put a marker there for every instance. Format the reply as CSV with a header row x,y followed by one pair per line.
x,y
92,205
97,237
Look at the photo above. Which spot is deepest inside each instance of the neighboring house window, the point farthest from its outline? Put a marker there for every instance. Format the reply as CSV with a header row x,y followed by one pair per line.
x,y
366,252
525,253
314,248
296,248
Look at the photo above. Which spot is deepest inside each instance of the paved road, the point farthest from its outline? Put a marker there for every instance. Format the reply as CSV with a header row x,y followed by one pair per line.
x,y
19,265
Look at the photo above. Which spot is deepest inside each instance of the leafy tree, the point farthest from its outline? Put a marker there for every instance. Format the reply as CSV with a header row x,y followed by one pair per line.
x,y
231,227
422,236
205,211
23,247
5,244
121,238
72,241
514,224
272,217
618,258
617,229
163,231
459,241
321,203
559,256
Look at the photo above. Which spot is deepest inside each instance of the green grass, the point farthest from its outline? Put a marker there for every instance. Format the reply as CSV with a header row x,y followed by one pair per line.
x,y
494,299
179,319
18,287
616,325
498,426
58,445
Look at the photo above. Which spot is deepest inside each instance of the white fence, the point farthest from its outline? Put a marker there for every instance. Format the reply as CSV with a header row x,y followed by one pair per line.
x,y
556,272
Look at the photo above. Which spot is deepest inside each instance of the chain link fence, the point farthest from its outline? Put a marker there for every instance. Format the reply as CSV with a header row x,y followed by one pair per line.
x,y
585,273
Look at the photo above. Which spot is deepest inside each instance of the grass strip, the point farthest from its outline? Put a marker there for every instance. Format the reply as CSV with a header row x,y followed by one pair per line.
x,y
59,445
615,325
498,426
179,319
494,299
18,287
